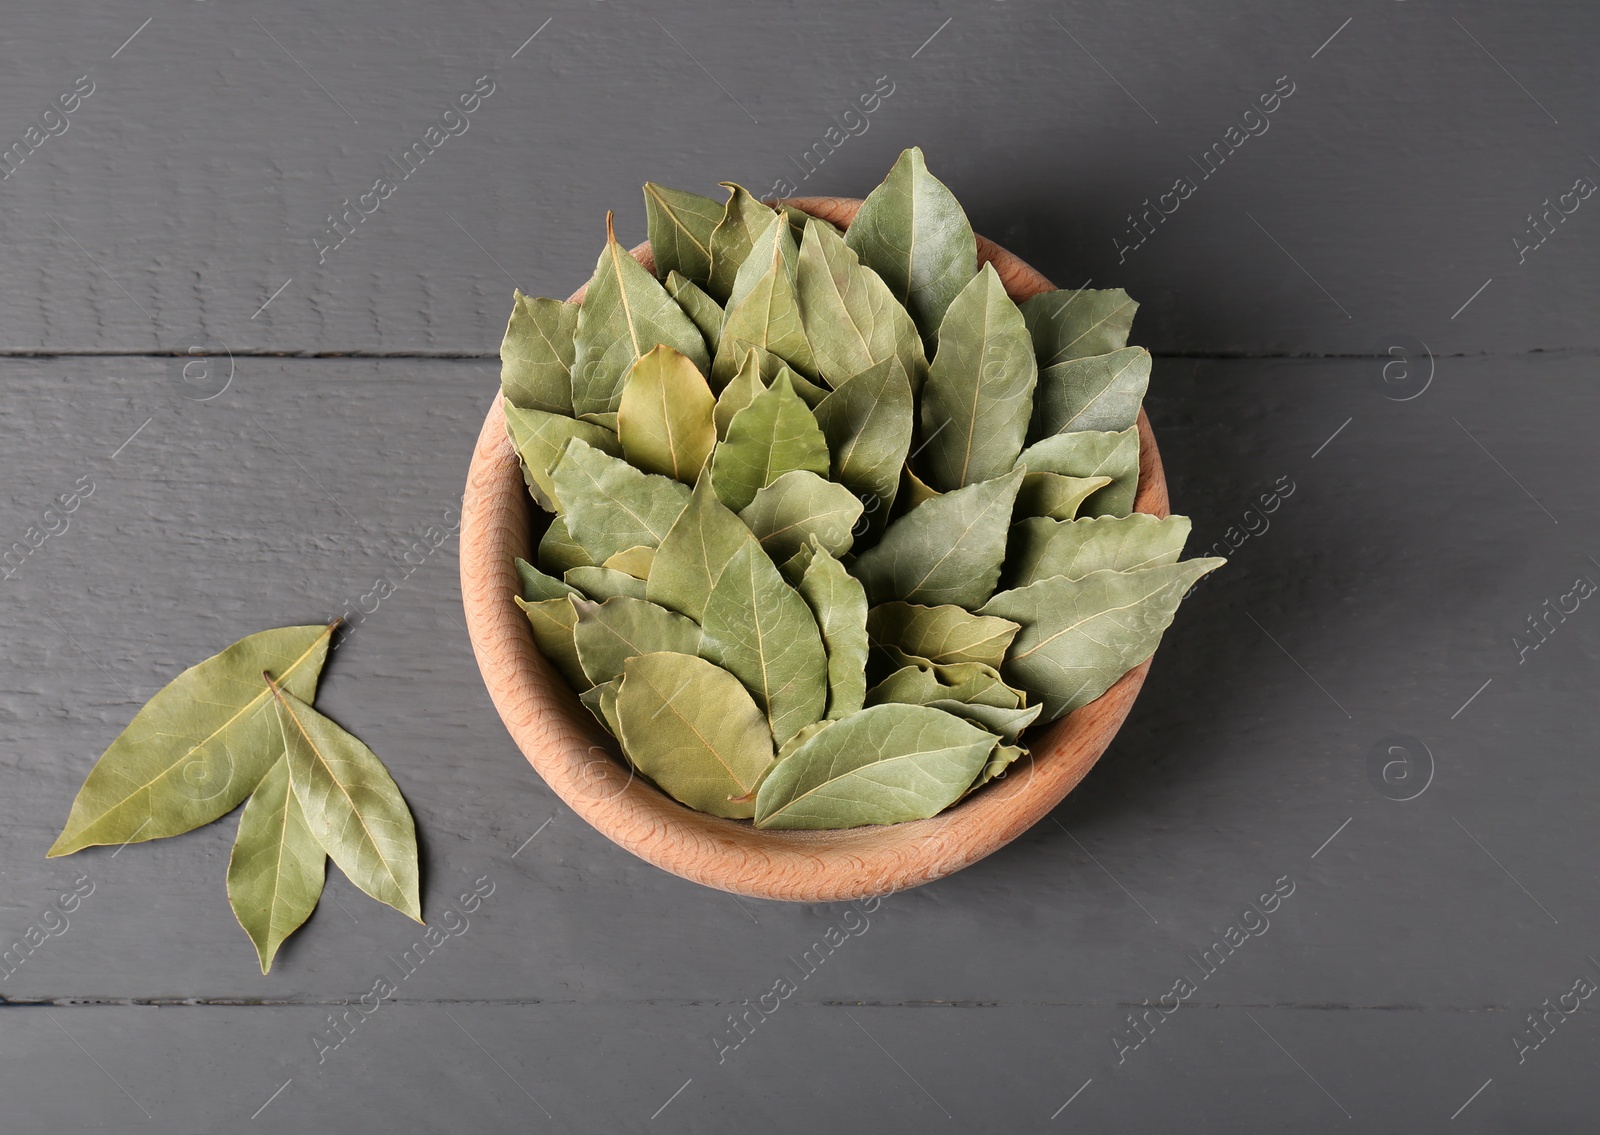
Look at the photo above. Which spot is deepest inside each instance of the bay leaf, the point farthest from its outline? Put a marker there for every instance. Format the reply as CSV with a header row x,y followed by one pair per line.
x,y
913,232
558,551
774,244
920,682
633,561
542,437
944,634
774,435
915,491
978,397
625,313
664,419
607,421
704,311
694,730
536,354
601,701
839,604
759,629
766,316
199,747
799,739
537,586
945,550
351,804
1075,324
609,505
552,622
797,219
1101,392
610,633
881,765
743,219
680,226
1080,635
1075,548
276,869
602,583
1007,724
867,421
1000,761
793,569
801,506
740,391
1092,454
850,317
1056,496
696,550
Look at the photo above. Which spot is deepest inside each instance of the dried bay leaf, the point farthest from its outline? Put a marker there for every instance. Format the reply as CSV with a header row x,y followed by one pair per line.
x,y
881,765
1000,761
664,419
552,622
351,804
542,437
610,633
601,701
635,561
558,551
537,586
608,505
1007,724
801,506
759,629
774,435
743,219
766,316
978,397
602,583
849,315
1042,548
1075,324
1079,636
1056,496
625,313
914,491
199,747
1101,392
913,232
944,634
276,870
740,391
868,421
680,226
945,550
1092,454
839,604
774,244
920,682
537,352
693,729
696,550
704,311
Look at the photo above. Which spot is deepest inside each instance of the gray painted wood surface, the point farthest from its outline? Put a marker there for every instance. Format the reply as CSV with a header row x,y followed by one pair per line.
x,y
1441,494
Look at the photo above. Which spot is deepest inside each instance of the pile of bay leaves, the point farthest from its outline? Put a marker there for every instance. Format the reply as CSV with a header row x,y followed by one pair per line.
x,y
835,521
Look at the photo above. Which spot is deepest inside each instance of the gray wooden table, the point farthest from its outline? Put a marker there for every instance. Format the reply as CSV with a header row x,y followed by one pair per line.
x,y
1376,300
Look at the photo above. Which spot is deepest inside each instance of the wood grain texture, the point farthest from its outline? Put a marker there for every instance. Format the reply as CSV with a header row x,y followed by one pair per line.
x,y
580,762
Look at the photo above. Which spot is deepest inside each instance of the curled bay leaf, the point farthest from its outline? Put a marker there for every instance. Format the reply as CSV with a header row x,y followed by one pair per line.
x,y
693,729
1042,548
1075,324
913,232
850,317
624,314
690,560
601,701
798,507
743,219
536,354
276,870
608,505
881,765
1092,454
552,622
1080,636
664,419
680,226
704,311
197,748
920,682
610,633
602,583
1000,761
1005,723
839,603
542,437
868,421
945,550
1101,392
759,629
1055,495
351,804
944,634
775,434
978,397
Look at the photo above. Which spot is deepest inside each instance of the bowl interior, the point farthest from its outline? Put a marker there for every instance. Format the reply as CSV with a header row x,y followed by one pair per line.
x,y
581,762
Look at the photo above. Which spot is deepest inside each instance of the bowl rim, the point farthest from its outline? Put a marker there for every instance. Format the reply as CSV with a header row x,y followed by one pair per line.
x,y
581,763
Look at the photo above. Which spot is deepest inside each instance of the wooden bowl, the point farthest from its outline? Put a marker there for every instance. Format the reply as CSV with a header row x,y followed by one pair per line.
x,y
580,761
